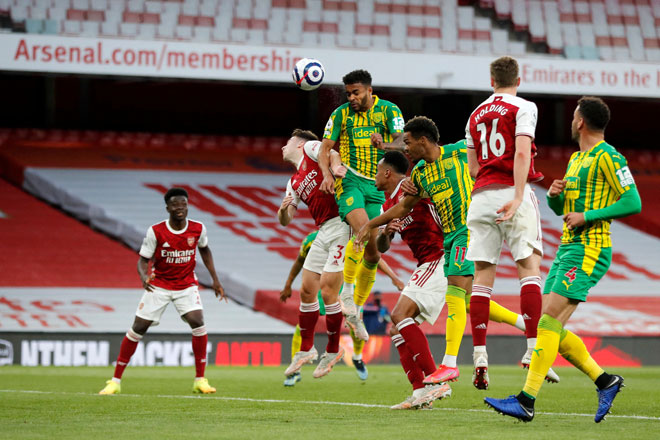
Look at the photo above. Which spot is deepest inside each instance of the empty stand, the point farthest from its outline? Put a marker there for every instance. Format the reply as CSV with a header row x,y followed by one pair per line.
x,y
406,25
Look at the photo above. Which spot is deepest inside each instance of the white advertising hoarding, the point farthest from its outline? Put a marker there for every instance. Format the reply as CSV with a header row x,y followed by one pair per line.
x,y
235,62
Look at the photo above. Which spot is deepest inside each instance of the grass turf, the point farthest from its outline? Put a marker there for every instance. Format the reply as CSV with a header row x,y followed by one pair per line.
x,y
157,403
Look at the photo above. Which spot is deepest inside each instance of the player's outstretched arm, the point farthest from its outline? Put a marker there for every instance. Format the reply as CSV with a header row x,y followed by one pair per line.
x,y
328,184
143,271
338,169
287,211
387,270
521,162
293,273
396,144
207,258
399,210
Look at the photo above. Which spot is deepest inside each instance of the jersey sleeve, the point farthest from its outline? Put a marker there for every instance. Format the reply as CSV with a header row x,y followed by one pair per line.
x,y
333,126
312,149
469,143
395,120
203,238
292,193
149,244
526,120
416,178
615,170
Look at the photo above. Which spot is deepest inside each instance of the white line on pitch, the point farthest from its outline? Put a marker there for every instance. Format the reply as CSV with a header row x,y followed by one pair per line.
x,y
320,402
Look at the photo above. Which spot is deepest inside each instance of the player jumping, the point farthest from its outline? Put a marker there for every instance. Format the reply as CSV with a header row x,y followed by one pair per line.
x,y
325,261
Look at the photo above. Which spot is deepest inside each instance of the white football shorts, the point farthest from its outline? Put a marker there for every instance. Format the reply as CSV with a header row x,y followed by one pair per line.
x,y
153,304
522,233
427,288
329,247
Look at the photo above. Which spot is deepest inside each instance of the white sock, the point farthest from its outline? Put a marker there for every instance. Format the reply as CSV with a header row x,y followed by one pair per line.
x,y
348,289
449,361
531,343
114,379
357,357
479,349
418,392
520,323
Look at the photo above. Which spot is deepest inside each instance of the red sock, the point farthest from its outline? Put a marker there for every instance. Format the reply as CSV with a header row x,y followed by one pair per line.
x,y
333,320
413,372
479,312
417,344
309,314
199,341
126,350
530,304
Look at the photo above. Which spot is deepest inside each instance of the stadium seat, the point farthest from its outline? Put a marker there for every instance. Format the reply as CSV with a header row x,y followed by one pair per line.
x,y
34,26
129,30
90,29
147,31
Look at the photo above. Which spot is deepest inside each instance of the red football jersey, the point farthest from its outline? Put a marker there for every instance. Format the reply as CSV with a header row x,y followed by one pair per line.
x,y
421,229
495,124
174,253
305,183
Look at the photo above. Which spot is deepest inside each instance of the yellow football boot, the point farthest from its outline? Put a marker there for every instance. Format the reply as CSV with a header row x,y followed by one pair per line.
x,y
111,387
202,386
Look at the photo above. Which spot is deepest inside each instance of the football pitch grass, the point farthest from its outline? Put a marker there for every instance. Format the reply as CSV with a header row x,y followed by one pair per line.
x,y
252,403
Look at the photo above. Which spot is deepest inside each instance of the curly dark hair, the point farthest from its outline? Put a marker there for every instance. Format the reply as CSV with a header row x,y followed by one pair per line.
x,y
357,76
397,160
173,192
595,112
422,126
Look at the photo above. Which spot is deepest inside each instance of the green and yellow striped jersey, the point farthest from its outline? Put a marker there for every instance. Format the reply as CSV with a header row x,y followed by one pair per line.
x,y
353,131
594,179
307,244
448,183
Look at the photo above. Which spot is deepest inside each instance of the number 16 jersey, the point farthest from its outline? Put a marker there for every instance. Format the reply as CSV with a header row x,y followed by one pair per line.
x,y
491,131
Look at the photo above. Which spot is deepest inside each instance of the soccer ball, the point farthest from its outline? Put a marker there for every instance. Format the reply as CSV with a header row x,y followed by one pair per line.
x,y
308,74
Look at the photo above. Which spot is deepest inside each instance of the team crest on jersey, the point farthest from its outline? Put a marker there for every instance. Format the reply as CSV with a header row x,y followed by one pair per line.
x,y
191,241
587,162
448,164
378,118
349,201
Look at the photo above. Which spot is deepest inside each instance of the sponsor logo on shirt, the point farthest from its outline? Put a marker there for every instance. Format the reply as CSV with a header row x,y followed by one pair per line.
x,y
363,132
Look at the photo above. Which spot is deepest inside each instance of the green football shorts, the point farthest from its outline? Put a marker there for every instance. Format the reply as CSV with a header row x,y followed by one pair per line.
x,y
576,269
455,246
354,192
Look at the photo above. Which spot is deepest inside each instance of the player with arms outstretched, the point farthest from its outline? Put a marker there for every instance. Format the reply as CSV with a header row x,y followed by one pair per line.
x,y
172,245
500,142
597,188
364,127
325,261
